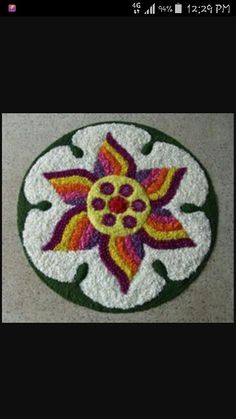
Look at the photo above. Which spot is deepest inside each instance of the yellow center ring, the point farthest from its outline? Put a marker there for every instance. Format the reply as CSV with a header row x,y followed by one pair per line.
x,y
117,205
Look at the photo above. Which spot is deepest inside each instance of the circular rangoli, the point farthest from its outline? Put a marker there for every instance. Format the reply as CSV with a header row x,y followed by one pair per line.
x,y
117,217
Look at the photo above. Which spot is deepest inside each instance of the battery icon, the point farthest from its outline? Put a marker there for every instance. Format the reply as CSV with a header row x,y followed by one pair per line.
x,y
178,8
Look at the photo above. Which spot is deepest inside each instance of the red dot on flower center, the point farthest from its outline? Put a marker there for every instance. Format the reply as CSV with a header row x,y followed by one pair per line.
x,y
118,205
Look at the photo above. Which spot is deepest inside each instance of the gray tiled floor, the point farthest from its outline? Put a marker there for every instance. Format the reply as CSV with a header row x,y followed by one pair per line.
x,y
210,297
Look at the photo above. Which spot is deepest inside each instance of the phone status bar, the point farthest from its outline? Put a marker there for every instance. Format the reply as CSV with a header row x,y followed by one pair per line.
x,y
100,9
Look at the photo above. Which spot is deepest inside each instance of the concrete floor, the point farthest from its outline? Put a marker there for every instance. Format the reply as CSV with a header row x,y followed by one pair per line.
x,y
27,299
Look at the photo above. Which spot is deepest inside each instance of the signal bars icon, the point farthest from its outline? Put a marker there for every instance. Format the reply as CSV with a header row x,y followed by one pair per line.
x,y
151,10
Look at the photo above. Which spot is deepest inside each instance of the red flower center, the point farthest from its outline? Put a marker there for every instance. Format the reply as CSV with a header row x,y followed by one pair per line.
x,y
118,205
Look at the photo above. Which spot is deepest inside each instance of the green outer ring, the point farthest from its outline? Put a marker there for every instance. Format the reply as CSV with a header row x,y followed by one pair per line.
x,y
73,292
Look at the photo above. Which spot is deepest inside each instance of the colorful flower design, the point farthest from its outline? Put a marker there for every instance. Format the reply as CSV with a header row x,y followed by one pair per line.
x,y
119,209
